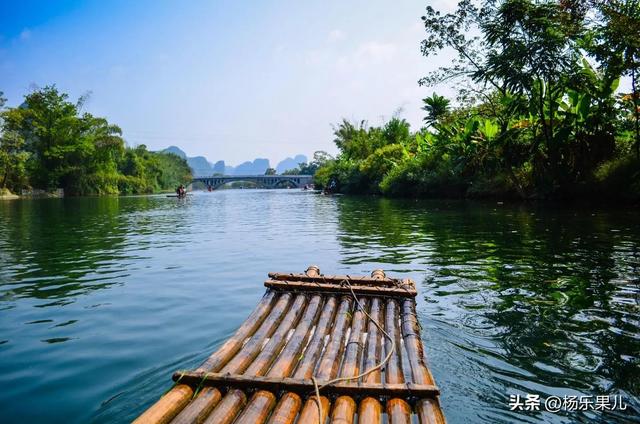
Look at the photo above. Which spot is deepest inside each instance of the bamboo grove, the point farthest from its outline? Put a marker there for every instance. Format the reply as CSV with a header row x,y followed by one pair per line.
x,y
540,110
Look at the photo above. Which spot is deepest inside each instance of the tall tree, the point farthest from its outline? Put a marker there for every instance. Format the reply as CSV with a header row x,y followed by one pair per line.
x,y
12,156
616,42
436,107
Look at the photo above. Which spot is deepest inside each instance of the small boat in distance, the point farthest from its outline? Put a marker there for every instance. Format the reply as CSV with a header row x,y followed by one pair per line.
x,y
181,192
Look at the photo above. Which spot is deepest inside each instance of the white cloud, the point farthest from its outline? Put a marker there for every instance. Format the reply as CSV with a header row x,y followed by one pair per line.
x,y
25,34
336,35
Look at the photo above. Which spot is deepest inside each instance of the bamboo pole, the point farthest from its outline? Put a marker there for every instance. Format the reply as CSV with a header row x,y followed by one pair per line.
x,y
252,347
313,351
290,403
374,341
305,386
309,360
286,410
290,355
309,414
200,407
428,410
259,404
370,410
328,366
226,411
234,400
261,363
241,360
379,275
343,410
217,360
415,353
336,279
353,350
169,405
284,364
393,371
345,407
312,271
258,409
398,410
338,289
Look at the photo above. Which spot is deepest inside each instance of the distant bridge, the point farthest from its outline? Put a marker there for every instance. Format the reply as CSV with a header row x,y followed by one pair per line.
x,y
268,181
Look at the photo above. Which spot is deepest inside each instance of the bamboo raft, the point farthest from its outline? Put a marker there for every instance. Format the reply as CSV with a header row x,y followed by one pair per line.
x,y
309,326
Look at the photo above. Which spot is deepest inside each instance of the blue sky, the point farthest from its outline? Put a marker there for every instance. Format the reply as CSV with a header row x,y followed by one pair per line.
x,y
227,80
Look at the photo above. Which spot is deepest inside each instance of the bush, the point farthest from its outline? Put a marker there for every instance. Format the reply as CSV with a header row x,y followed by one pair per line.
x,y
619,177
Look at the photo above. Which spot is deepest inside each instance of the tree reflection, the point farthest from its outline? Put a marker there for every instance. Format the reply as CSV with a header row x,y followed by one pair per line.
x,y
555,289
57,249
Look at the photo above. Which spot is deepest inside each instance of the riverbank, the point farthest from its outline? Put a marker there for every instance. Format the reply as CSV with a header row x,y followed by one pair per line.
x,y
393,161
7,195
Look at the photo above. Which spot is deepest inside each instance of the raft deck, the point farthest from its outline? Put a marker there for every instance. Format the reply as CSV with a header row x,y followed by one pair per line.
x,y
310,325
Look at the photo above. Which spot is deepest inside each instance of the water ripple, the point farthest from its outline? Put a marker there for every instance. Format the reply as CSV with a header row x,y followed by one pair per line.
x,y
103,298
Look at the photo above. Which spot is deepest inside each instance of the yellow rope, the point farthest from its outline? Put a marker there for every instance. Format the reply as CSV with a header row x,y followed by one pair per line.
x,y
364,374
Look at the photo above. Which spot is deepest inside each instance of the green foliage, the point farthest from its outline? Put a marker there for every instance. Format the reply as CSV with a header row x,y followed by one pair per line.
x,y
49,143
13,161
538,115
270,171
619,177
436,107
319,159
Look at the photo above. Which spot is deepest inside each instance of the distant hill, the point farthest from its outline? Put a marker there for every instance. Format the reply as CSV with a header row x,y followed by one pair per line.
x,y
219,167
176,151
201,167
290,163
257,167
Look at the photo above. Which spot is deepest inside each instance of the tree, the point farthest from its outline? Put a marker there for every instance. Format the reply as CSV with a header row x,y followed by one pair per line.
x,y
48,142
270,171
12,161
321,157
451,31
615,41
53,135
12,156
436,107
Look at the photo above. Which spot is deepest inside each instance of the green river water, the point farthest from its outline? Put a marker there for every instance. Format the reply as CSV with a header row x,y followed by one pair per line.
x,y
101,299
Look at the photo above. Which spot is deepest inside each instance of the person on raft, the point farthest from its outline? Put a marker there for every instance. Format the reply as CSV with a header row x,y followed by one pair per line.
x,y
180,191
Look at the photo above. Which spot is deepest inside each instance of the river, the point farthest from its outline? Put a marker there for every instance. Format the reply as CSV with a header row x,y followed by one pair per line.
x,y
101,299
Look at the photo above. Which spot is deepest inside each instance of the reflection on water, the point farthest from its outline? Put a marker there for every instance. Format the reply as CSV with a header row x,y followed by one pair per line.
x,y
516,300
101,299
